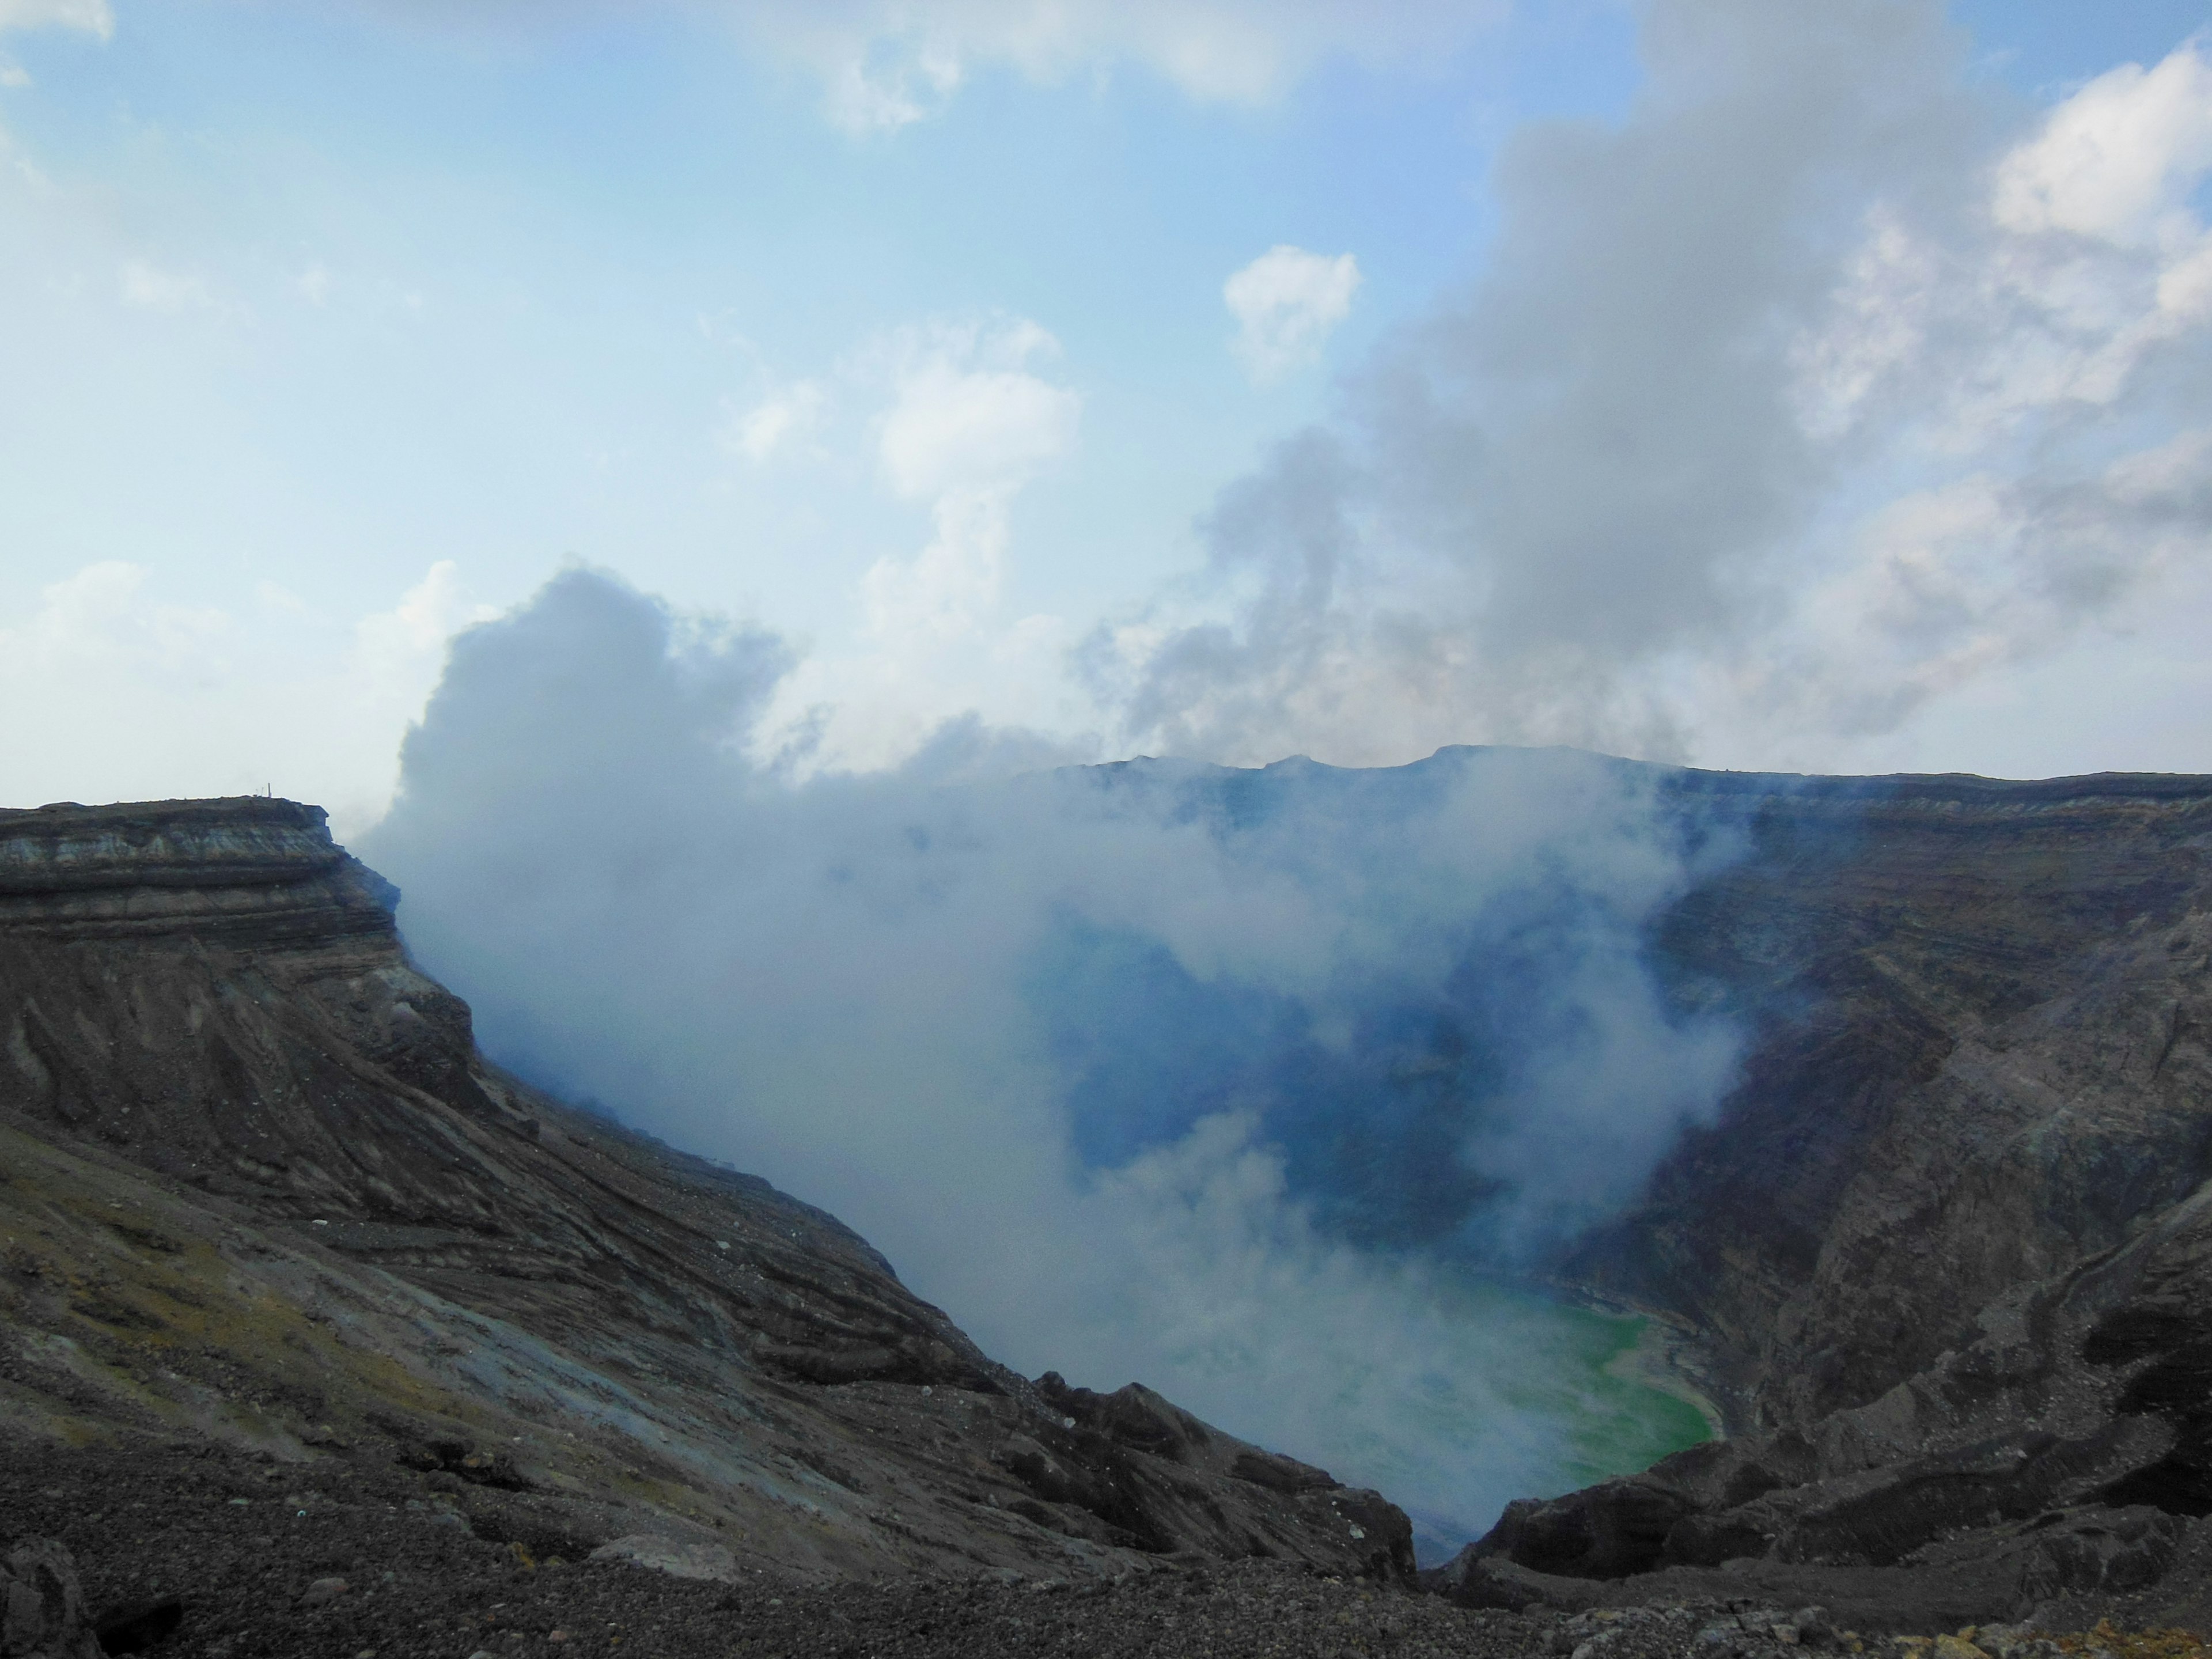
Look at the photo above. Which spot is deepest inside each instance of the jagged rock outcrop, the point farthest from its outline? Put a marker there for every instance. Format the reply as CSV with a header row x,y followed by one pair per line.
x,y
42,1611
1946,1257
258,1186
1978,1016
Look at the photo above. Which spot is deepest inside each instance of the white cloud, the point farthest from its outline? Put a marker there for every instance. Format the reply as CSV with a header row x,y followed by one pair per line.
x,y
968,421
100,615
875,85
2088,259
968,416
1286,303
885,64
784,416
2118,156
92,16
403,648
156,289
143,696
946,589
1950,585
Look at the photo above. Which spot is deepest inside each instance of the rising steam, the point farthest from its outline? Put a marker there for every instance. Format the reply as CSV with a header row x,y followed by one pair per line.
x,y
1221,1079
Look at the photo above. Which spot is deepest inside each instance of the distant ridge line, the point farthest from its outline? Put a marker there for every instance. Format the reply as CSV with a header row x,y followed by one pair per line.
x,y
1953,787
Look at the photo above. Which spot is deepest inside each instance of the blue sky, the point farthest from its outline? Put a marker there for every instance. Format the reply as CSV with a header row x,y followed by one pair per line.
x,y
326,330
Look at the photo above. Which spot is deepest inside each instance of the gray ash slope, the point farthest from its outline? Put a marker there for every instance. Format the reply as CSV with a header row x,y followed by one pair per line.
x,y
1946,1258
260,1192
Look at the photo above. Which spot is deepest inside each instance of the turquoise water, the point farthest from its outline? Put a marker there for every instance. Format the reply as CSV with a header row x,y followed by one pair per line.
x,y
1545,1399
1477,1395
1616,1422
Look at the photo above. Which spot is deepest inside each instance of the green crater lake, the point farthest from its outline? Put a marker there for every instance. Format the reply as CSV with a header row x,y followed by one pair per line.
x,y
1486,1395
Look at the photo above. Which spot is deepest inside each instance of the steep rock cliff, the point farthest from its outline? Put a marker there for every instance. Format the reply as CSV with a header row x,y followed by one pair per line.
x,y
258,1189
1977,1017
1944,1256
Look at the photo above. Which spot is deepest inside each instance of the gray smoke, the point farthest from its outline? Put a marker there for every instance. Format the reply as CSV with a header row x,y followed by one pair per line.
x,y
1231,1082
1805,392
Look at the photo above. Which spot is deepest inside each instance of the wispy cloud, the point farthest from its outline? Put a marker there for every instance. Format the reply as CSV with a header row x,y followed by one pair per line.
x,y
1286,303
965,414
785,415
90,16
155,288
275,689
885,64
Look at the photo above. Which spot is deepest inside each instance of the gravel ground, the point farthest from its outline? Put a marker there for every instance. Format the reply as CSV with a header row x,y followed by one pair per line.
x,y
346,1558
246,1545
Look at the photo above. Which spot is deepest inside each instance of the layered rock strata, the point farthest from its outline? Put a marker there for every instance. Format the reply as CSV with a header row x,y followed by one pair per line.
x,y
1946,1257
258,1186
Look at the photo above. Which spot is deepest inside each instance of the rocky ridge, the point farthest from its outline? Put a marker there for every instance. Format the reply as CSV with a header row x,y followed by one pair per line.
x,y
270,1220
1945,1260
260,1192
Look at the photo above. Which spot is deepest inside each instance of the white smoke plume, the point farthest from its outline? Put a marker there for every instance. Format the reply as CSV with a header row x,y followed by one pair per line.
x,y
1216,1080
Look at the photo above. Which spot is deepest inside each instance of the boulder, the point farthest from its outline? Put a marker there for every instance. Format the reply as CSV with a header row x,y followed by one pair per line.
x,y
672,1556
42,1611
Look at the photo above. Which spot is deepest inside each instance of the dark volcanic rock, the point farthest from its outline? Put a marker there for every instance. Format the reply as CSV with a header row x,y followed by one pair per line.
x,y
419,1590
260,1191
42,1612
1606,1531
135,1626
1947,1254
1979,1016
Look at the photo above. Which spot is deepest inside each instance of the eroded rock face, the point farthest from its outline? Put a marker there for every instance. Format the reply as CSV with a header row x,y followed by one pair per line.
x,y
42,1611
261,1188
1977,1017
1948,1252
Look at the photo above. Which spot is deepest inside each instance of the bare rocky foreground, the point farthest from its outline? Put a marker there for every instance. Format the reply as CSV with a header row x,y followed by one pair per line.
x,y
315,1320
351,1555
